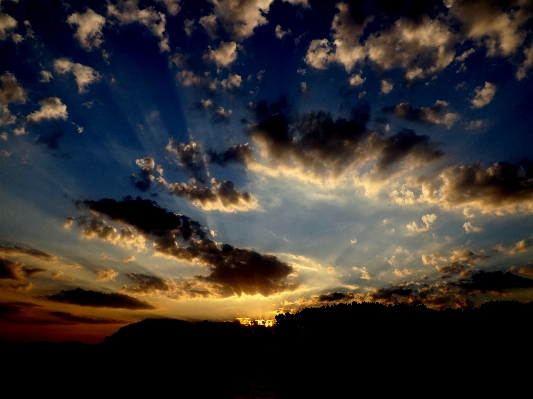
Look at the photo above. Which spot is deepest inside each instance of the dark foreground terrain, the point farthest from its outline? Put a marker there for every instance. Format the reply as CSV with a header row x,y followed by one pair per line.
x,y
337,351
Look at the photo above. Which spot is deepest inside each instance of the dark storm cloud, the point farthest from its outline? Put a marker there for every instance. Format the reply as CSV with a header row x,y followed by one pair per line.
x,y
335,297
35,253
502,186
315,142
404,145
98,299
69,318
191,158
239,154
16,270
233,271
497,282
145,284
8,309
222,195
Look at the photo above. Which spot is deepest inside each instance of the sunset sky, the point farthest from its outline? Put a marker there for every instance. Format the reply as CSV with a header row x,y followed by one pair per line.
x,y
226,159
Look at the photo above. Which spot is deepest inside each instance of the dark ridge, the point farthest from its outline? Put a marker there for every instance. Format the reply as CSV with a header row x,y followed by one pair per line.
x,y
318,352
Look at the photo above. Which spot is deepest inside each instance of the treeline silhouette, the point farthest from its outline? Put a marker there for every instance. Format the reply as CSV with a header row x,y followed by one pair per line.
x,y
333,351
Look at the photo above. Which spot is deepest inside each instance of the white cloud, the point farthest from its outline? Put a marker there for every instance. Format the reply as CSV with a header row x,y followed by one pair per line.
x,y
470,228
428,220
224,55
209,22
386,86
484,95
240,18
280,32
84,75
172,6
421,48
486,22
319,54
356,80
89,28
364,273
231,82
51,108
7,23
105,275
127,12
45,76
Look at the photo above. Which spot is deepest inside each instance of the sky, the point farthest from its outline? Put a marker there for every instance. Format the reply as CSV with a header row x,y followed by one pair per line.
x,y
224,159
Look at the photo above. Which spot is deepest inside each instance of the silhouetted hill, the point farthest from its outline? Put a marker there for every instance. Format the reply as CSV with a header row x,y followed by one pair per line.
x,y
317,352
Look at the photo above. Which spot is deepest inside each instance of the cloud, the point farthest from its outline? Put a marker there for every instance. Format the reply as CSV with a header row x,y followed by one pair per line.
x,y
420,47
11,270
240,18
280,33
129,259
316,147
221,196
147,166
172,6
345,48
428,220
386,86
334,297
467,256
233,271
432,114
209,22
70,318
97,299
364,273
454,268
403,273
493,282
494,24
94,228
10,92
232,81
144,284
51,108
501,187
520,246
303,3
127,12
475,124
522,70
221,115
84,75
105,275
470,228
45,76
188,26
526,270
223,56
240,154
35,253
191,159
356,80
484,95
7,23
88,28
189,78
